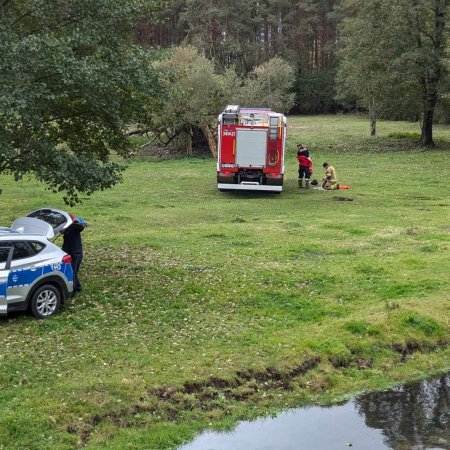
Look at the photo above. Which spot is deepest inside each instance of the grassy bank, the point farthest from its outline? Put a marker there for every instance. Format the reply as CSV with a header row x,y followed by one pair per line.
x,y
201,308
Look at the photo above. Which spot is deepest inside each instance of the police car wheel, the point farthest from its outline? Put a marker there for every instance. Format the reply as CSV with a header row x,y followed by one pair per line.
x,y
45,302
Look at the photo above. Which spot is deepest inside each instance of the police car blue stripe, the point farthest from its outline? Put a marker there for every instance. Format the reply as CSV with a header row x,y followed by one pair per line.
x,y
62,267
25,277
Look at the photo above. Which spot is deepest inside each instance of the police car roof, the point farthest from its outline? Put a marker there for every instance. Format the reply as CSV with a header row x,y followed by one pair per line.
x,y
5,230
9,233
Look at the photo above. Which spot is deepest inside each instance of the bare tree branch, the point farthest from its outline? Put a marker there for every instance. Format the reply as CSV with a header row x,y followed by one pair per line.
x,y
139,132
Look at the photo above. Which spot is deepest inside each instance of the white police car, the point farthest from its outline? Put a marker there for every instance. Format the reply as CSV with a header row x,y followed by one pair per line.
x,y
35,274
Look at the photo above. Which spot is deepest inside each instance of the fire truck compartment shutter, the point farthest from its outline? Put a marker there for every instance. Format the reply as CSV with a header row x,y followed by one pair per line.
x,y
251,148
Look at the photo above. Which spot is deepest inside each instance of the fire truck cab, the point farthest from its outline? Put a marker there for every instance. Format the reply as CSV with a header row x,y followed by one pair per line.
x,y
251,146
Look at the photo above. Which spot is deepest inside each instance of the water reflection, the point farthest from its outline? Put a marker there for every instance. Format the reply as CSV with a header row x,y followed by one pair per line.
x,y
415,416
411,417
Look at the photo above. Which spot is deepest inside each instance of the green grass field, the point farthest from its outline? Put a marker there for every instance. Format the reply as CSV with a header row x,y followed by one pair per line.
x,y
201,308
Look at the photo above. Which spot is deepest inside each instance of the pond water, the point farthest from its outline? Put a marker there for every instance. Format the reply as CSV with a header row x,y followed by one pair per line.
x,y
410,417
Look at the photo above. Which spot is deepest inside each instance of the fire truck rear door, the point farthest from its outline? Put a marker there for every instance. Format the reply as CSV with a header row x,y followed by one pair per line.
x,y
251,147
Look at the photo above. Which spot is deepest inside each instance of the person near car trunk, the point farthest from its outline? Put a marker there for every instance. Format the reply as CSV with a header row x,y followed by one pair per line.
x,y
73,246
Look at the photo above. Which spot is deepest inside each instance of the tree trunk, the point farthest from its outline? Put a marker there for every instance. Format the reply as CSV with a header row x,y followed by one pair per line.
x,y
210,138
372,118
373,125
427,124
430,83
427,128
189,141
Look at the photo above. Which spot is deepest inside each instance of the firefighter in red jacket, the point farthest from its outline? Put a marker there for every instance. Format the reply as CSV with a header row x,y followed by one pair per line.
x,y
304,166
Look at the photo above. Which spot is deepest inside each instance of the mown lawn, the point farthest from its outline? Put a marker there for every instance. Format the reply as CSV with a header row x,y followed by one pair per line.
x,y
200,308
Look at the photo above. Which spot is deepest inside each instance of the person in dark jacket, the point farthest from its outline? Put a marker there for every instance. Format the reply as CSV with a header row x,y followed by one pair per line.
x,y
73,246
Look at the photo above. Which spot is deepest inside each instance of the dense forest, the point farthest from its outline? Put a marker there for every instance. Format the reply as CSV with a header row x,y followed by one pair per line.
x,y
248,34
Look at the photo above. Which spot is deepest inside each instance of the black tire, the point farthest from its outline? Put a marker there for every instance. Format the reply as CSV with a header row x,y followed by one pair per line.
x,y
45,302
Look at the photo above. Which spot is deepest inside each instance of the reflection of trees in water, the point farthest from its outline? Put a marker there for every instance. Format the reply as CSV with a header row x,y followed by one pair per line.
x,y
412,416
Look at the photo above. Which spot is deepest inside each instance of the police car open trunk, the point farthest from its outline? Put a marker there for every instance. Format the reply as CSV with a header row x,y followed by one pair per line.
x,y
48,222
251,147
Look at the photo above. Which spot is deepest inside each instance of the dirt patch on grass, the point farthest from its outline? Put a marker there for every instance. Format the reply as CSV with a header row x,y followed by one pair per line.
x,y
268,379
406,349
341,199
364,364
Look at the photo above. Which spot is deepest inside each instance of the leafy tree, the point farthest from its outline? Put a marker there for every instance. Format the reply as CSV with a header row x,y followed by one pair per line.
x,y
195,94
269,85
425,56
70,83
366,46
394,57
194,97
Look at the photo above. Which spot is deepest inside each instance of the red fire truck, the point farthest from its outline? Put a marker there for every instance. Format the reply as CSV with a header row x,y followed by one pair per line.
x,y
251,144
